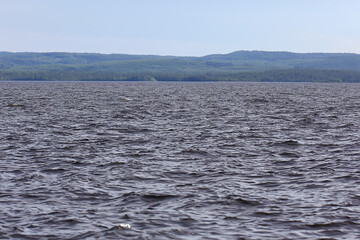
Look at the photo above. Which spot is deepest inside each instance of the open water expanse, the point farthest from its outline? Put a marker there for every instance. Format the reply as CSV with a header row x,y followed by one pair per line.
x,y
146,160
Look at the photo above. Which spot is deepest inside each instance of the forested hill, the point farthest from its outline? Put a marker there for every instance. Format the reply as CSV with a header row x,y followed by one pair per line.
x,y
236,66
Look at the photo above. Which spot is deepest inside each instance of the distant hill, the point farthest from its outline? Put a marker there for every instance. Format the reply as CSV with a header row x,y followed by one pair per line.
x,y
236,66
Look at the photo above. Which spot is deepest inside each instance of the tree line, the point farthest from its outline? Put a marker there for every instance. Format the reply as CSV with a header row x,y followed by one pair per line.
x,y
289,75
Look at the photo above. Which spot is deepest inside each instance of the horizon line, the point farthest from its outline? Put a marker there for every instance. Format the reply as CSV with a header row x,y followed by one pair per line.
x,y
169,55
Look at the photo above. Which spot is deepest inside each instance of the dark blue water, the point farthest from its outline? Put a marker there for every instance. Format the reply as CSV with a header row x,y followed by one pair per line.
x,y
117,160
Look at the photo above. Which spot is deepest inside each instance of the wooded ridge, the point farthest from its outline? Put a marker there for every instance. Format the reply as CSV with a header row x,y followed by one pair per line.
x,y
236,66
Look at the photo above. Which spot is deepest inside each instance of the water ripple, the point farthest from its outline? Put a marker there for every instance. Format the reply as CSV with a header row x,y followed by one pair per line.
x,y
107,160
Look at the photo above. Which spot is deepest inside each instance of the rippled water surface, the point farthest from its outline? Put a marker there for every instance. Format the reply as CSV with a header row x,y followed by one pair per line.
x,y
81,160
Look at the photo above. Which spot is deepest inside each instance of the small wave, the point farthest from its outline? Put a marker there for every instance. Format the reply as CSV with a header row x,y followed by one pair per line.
x,y
243,201
267,214
195,151
327,225
287,143
158,197
289,154
258,100
285,162
53,170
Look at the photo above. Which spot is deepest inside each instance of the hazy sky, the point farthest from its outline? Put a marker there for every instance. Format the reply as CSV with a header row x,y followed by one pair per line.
x,y
179,27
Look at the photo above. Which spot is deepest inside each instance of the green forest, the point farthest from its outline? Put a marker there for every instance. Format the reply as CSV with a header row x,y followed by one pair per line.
x,y
256,66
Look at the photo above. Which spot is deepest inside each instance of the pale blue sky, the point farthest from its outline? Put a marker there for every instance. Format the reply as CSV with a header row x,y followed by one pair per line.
x,y
179,27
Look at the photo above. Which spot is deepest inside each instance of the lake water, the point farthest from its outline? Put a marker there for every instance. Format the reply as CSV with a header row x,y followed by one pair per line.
x,y
126,160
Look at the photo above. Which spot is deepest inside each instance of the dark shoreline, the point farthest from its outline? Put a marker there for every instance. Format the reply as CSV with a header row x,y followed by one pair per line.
x,y
308,75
